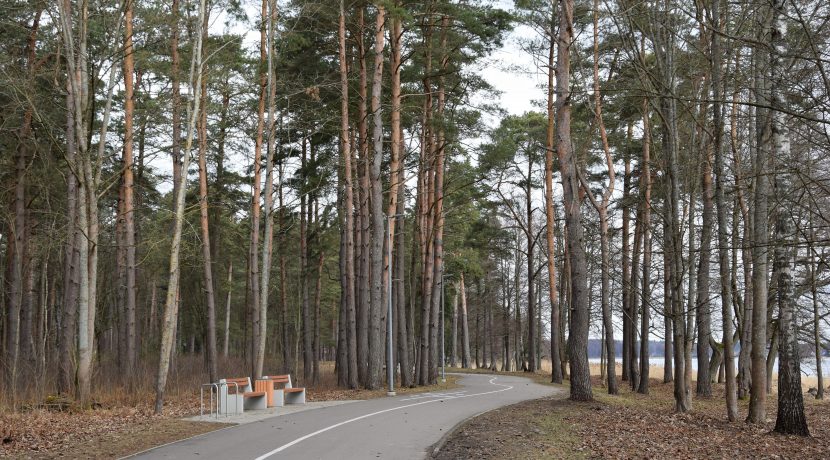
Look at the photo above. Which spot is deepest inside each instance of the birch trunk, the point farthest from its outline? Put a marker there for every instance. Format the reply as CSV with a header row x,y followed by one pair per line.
x,y
171,303
268,238
791,418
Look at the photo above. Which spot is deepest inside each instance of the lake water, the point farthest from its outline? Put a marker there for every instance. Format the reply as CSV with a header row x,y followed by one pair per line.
x,y
808,366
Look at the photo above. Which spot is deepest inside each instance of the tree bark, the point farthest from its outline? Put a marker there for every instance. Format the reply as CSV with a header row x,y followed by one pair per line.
x,y
720,201
305,307
253,247
645,327
128,181
760,240
227,334
602,209
404,332
465,331
171,302
204,220
377,315
347,289
268,235
791,418
702,305
553,293
578,338
71,262
363,226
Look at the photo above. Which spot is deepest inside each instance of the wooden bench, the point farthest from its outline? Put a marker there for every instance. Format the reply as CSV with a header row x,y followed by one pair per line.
x,y
237,393
281,391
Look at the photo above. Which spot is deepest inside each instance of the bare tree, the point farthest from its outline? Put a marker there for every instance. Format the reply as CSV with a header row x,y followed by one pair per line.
x,y
171,303
720,201
791,418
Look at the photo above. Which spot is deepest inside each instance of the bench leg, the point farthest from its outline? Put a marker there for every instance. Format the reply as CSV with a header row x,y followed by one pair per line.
x,y
231,405
295,397
256,403
279,398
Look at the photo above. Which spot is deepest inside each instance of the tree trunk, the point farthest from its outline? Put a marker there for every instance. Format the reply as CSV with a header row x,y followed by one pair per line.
x,y
454,331
465,332
634,296
668,348
253,248
71,263
531,286
578,338
602,209
744,357
377,315
171,301
553,293
791,418
395,182
627,342
760,240
268,235
720,201
207,261
702,304
129,207
816,324
404,333
227,334
664,43
348,289
318,292
305,307
645,178
363,226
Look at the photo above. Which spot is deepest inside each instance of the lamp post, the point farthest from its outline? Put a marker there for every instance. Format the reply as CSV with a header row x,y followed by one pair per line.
x,y
390,364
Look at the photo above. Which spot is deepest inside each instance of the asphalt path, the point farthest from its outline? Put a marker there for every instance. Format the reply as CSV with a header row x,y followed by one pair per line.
x,y
402,427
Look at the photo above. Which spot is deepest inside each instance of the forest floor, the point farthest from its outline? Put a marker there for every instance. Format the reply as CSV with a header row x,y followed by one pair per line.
x,y
631,425
120,424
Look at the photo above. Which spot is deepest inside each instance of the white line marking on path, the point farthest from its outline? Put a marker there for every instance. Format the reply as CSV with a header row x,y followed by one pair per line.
x,y
337,425
451,394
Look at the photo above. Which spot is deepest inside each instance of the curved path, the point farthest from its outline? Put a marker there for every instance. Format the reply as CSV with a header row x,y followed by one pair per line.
x,y
403,427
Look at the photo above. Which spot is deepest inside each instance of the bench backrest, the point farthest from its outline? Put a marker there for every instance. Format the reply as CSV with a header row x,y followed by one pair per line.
x,y
285,379
243,383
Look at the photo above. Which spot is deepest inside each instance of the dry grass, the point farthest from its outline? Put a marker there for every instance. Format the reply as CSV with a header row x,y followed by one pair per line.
x,y
631,425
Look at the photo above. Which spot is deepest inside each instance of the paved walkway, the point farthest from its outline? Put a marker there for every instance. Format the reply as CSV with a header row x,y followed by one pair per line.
x,y
402,427
258,415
